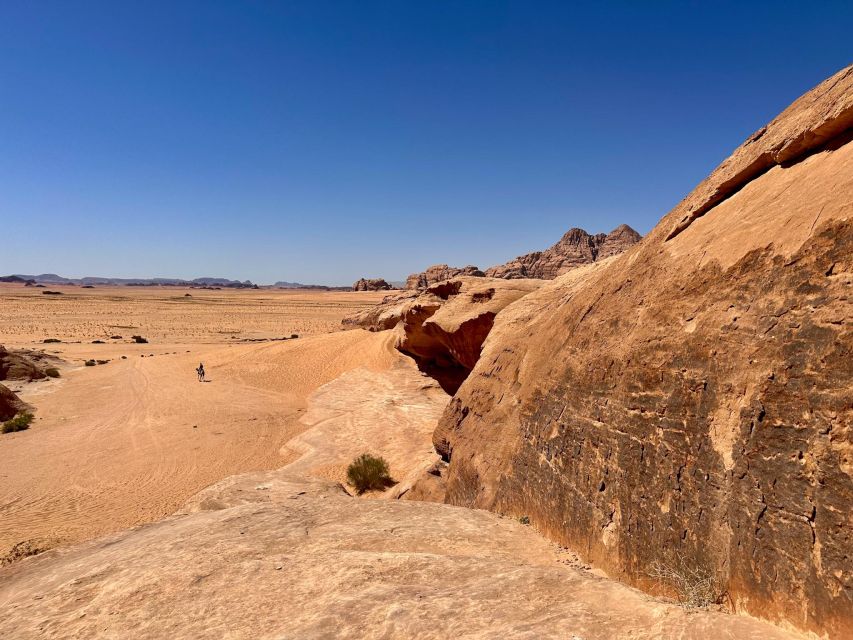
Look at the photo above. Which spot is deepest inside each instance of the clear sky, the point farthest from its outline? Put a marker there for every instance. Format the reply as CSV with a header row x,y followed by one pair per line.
x,y
323,141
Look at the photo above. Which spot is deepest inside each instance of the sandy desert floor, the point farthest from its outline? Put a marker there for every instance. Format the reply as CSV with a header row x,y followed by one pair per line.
x,y
124,443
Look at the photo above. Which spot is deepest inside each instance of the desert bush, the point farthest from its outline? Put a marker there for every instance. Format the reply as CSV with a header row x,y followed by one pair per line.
x,y
51,372
89,363
19,423
695,587
97,342
368,472
139,340
51,340
102,361
524,519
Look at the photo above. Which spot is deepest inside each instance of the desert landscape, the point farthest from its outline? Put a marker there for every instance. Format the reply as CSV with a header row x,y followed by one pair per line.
x,y
583,386
135,463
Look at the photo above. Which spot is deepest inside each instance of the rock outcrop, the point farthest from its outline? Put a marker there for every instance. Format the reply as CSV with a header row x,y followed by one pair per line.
x,y
372,284
574,249
687,405
443,328
10,404
24,365
438,273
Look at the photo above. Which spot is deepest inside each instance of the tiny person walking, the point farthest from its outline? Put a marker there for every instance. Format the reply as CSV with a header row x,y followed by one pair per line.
x,y
200,372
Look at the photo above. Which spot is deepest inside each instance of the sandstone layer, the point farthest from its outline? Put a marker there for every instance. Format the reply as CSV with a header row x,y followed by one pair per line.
x,y
575,248
688,404
371,284
443,327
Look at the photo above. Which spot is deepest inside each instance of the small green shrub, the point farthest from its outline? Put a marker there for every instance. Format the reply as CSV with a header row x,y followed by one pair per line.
x,y
20,422
51,372
89,363
524,519
368,472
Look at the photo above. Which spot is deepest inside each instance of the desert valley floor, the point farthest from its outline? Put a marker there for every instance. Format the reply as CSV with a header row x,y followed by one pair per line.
x,y
151,495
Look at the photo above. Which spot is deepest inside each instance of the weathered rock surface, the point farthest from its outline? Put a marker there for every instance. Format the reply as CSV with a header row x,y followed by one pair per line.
x,y
443,327
371,284
437,273
22,365
574,249
270,555
10,404
689,402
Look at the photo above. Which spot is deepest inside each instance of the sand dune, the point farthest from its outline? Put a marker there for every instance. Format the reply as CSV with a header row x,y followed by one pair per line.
x,y
128,442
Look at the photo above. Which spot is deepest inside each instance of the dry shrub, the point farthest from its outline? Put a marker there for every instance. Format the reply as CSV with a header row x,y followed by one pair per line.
x,y
695,587
368,472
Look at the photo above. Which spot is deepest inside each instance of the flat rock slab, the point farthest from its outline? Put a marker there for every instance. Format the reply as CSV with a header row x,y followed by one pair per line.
x,y
315,563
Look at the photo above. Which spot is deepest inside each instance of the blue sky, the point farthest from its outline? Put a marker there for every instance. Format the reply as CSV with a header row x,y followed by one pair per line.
x,y
323,141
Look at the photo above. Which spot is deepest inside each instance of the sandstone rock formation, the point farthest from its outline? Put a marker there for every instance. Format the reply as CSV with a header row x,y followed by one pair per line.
x,y
438,273
574,249
372,284
10,404
443,327
688,404
267,555
21,365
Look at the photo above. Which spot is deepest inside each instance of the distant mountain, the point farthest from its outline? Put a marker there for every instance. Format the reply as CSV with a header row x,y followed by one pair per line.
x,y
52,278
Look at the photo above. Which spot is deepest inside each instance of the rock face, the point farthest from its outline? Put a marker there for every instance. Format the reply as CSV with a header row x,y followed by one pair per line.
x,y
688,404
443,328
10,404
22,365
372,284
574,249
438,273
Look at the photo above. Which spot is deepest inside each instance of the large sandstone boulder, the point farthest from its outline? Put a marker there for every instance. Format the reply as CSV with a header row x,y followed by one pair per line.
x,y
21,365
574,249
438,273
371,284
686,407
10,404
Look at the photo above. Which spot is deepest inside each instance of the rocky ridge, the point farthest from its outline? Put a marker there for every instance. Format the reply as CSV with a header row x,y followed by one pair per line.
x,y
575,248
686,407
